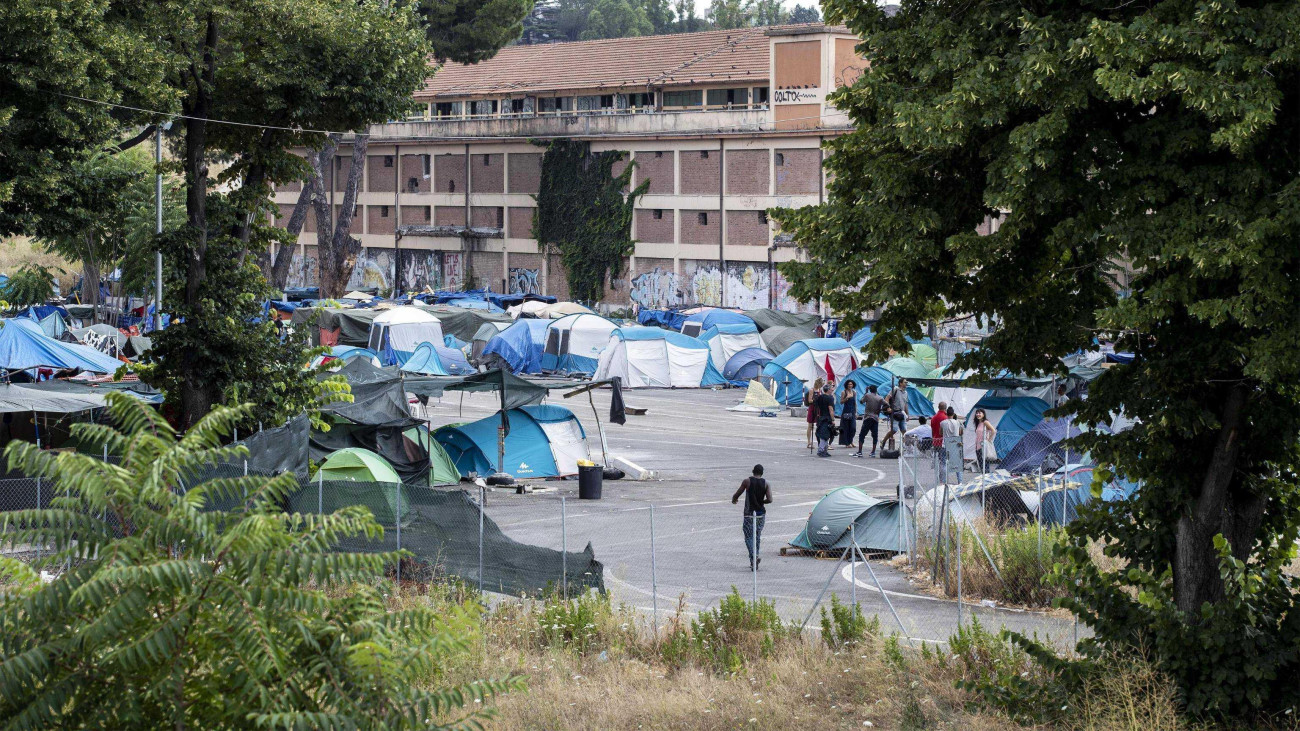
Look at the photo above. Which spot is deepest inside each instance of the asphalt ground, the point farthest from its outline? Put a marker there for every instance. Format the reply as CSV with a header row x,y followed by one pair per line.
x,y
700,452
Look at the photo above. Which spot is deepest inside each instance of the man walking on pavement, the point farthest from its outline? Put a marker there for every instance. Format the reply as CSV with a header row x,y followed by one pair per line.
x,y
871,403
757,496
824,408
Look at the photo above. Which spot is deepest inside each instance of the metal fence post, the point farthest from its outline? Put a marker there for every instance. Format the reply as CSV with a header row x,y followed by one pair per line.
x,y
397,518
482,500
1038,513
853,567
564,550
959,540
38,507
320,492
105,451
654,584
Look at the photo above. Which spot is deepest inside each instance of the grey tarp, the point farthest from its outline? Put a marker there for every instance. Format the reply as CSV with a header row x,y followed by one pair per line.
x,y
17,399
409,459
142,391
104,338
848,514
353,325
766,318
780,337
378,396
375,420
517,391
283,449
462,322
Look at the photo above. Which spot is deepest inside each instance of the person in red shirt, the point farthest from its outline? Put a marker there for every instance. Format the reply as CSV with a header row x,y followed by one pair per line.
x,y
936,425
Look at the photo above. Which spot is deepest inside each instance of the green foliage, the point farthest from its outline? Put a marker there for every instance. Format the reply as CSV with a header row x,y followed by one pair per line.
x,y
175,615
1142,160
574,623
736,632
846,626
583,212
801,14
616,19
32,284
470,31
727,14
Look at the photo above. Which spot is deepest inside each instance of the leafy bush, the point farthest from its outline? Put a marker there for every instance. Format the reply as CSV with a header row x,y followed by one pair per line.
x,y
737,631
32,284
846,626
172,614
1022,556
574,623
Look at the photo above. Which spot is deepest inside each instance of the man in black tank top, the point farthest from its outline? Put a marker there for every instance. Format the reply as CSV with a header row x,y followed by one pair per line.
x,y
757,495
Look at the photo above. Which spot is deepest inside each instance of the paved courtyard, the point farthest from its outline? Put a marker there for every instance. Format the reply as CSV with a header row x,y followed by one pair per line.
x,y
701,452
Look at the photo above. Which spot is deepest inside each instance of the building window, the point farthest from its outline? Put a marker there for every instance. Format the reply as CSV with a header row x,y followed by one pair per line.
x,y
451,186
704,154
780,159
483,108
728,97
427,162
762,217
383,211
413,185
555,104
703,218
691,98
659,214
487,160
759,96
446,109
388,161
516,106
658,155
501,218
640,101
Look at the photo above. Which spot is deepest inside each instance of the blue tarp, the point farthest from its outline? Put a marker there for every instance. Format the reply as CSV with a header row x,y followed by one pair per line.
x,y
281,305
520,345
862,338
1040,442
660,318
23,346
709,318
436,360
746,365
732,329
884,381
472,447
473,304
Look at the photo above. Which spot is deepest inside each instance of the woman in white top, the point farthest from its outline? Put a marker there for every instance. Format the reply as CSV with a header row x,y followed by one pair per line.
x,y
985,433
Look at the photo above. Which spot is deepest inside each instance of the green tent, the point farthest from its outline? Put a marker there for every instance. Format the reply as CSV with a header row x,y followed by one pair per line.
x,y
926,354
875,522
441,469
360,465
909,368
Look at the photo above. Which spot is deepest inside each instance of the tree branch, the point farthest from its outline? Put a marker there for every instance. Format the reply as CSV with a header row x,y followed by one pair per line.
x,y
127,144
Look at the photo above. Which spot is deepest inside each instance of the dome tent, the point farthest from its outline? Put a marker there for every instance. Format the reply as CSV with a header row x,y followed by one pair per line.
x,y
725,341
574,342
520,345
356,476
360,465
698,322
884,381
649,357
875,523
746,365
806,361
394,334
544,441
442,471
482,337
1042,444
437,360
778,338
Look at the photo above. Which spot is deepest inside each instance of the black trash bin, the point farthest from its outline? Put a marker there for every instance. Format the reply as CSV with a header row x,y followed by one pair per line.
x,y
589,482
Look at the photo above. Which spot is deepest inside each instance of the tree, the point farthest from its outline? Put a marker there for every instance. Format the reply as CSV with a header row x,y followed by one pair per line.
x,y
728,14
176,613
1162,135
687,20
809,14
616,19
770,12
540,25
32,284
660,15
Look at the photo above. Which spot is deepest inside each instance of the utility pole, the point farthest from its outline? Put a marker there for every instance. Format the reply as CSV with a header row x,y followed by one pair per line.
x,y
158,226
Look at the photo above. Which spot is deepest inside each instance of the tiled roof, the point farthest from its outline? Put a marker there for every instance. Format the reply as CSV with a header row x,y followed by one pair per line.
x,y
725,56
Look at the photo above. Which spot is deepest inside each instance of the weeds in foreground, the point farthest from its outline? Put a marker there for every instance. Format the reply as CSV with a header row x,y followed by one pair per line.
x,y
1010,564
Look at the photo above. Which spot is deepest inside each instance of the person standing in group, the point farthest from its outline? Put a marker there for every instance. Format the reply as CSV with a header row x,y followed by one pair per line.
x,y
824,406
896,407
848,413
936,426
758,494
985,433
951,443
871,403
808,397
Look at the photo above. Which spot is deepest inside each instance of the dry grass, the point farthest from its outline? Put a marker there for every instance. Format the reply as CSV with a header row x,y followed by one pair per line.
x,y
19,250
1139,698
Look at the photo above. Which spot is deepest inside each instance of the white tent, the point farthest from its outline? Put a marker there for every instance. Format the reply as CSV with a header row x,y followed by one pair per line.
x,y
648,357
530,308
574,342
725,341
562,309
394,334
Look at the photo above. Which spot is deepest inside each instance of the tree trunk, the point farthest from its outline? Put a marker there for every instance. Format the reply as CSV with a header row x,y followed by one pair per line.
x,y
320,203
90,277
277,270
254,189
344,247
1222,505
196,395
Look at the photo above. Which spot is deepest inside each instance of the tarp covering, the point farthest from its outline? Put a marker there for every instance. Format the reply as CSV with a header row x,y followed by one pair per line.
x,y
516,391
105,338
378,397
1040,443
960,398
283,449
442,471
862,338
464,323
766,319
76,387
757,398
544,441
649,357
22,398
778,338
994,496
520,345
24,346
884,381
848,514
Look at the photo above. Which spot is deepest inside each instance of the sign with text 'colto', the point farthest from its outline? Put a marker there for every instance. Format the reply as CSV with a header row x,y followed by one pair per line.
x,y
798,96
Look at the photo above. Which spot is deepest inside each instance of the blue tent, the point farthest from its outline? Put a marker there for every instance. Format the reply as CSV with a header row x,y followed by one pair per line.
x,y
666,359
24,346
574,342
473,304
544,441
875,523
436,360
348,352
1043,440
805,361
862,338
701,321
746,365
737,328
520,345
884,381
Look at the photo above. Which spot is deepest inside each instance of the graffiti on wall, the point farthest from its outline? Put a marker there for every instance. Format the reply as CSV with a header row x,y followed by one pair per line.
x,y
303,271
749,285
453,271
373,270
525,281
656,289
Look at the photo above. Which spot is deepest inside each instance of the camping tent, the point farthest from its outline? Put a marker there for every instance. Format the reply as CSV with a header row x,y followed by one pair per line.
x,y
700,321
1012,416
442,471
360,465
884,381
862,338
996,497
544,441
527,309
807,360
1042,443
746,365
24,346
778,338
962,399
906,367
482,337
574,342
395,333
105,338
648,357
766,318
520,345
725,341
561,309
846,514
437,360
